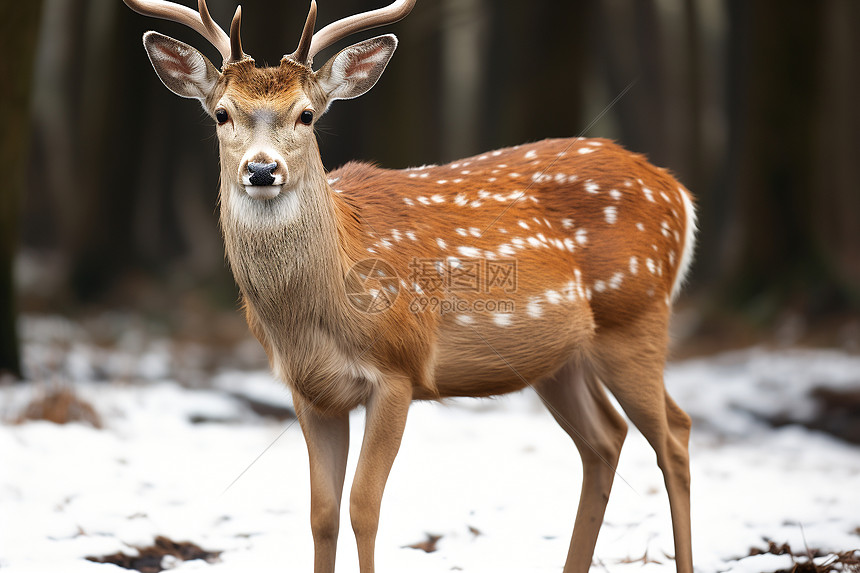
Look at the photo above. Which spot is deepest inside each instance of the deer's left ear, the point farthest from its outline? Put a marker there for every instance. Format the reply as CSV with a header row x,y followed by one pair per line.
x,y
354,70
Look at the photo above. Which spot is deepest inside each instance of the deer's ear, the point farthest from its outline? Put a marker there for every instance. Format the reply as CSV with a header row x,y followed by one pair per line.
x,y
354,70
185,71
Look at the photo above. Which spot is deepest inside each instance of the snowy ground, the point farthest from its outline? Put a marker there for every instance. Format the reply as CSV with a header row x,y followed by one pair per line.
x,y
497,479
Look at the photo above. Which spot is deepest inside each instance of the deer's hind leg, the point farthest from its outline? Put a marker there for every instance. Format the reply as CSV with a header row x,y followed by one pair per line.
x,y
631,363
579,404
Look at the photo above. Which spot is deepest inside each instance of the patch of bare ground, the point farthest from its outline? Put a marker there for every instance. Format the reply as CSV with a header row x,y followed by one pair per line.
x,y
60,405
837,413
163,554
804,562
428,545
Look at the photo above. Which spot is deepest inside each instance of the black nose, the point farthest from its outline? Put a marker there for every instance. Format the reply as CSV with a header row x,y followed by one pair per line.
x,y
261,173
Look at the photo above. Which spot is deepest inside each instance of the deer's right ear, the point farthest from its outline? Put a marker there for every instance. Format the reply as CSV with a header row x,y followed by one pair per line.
x,y
185,71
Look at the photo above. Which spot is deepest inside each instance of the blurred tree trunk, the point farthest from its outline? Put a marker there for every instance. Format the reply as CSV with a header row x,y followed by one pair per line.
x,y
464,49
630,49
836,215
108,145
537,70
782,254
20,28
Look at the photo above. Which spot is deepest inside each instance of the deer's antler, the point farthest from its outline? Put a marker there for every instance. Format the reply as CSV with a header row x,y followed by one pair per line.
x,y
311,44
200,21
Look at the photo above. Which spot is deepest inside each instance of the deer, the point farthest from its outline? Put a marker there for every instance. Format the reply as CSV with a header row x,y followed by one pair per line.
x,y
369,287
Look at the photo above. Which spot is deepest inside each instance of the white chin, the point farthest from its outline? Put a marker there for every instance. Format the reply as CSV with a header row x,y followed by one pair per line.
x,y
262,192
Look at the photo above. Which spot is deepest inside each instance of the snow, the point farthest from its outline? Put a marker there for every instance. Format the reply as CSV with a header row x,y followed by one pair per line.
x,y
166,458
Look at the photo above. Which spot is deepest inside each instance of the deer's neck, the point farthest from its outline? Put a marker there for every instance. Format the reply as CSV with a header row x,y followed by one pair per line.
x,y
287,257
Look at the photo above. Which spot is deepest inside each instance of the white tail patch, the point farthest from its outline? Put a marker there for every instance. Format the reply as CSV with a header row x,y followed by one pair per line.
x,y
689,244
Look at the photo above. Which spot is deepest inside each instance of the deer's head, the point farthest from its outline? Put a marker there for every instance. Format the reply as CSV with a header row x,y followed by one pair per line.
x,y
265,116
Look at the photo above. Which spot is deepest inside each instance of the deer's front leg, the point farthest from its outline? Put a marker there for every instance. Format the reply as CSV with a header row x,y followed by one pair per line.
x,y
327,439
386,418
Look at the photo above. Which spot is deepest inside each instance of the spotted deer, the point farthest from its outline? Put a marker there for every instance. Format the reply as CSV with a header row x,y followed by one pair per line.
x,y
376,287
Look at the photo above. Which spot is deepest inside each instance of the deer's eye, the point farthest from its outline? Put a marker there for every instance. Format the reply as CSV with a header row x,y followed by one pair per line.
x,y
306,117
221,116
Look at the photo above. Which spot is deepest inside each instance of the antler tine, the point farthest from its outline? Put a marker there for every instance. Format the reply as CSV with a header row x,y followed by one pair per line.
x,y
364,21
199,21
215,31
236,53
302,53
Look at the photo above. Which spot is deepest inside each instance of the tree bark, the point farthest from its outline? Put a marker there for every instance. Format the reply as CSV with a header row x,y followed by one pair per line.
x,y
20,23
775,262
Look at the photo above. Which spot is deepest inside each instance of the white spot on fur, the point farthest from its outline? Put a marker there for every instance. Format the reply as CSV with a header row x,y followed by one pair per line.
x,y
611,214
460,199
409,201
441,243
665,229
591,186
460,231
652,268
502,319
599,286
471,252
531,154
615,194
615,281
533,308
465,319
523,224
437,199
553,297
423,200
567,223
411,235
581,236
584,150
634,265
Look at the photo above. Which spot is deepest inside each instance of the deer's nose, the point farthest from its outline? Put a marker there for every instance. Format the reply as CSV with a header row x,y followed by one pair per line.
x,y
261,173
